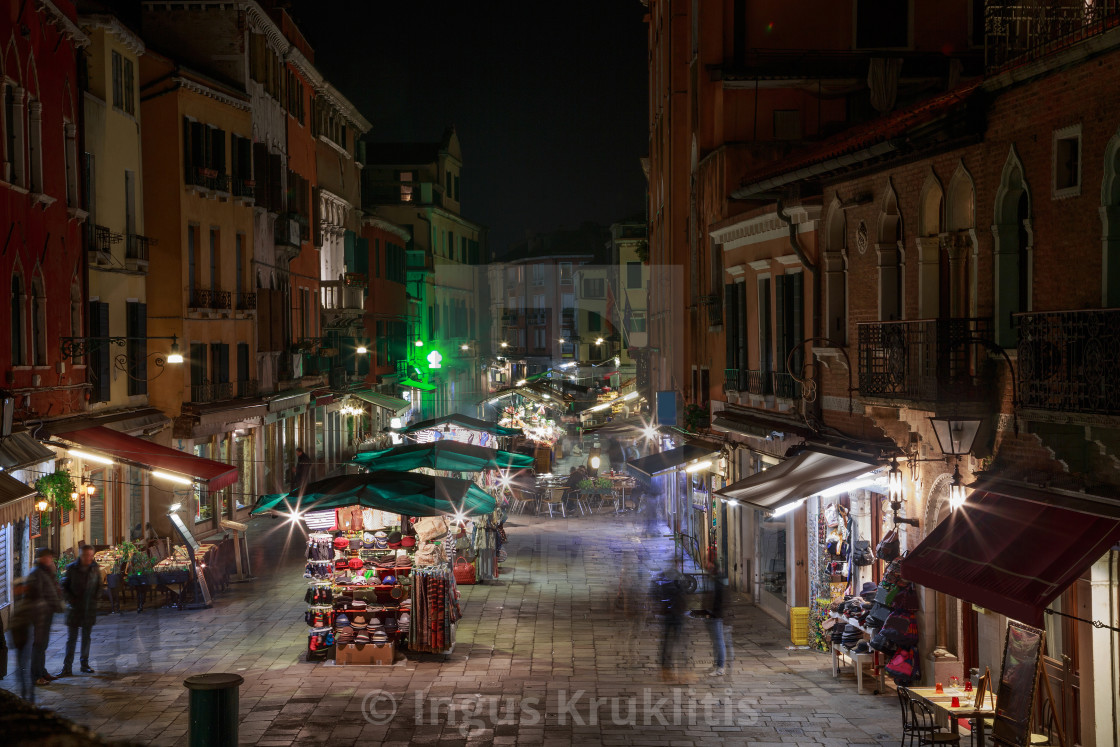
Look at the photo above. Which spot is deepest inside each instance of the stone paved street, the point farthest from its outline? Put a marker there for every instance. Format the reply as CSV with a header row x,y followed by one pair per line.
x,y
534,651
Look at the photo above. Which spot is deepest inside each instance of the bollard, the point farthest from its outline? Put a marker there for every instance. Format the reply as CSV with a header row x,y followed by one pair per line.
x,y
213,709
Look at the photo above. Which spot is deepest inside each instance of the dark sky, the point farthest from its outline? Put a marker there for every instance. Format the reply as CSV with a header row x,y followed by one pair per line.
x,y
549,99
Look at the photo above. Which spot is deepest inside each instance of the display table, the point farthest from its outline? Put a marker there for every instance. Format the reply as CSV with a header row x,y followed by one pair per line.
x,y
857,659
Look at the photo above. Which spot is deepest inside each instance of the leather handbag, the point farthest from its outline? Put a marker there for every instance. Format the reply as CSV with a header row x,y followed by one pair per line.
x,y
889,547
464,572
861,554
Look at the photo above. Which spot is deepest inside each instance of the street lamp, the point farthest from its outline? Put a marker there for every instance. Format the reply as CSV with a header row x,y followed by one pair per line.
x,y
955,435
599,341
504,344
361,350
76,347
956,490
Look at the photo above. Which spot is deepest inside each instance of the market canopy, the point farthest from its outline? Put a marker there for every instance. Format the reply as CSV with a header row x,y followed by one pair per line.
x,y
445,454
1008,555
410,493
384,401
654,464
124,447
462,421
805,474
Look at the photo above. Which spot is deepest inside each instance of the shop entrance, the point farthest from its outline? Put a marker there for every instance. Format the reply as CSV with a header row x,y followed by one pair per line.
x,y
1061,661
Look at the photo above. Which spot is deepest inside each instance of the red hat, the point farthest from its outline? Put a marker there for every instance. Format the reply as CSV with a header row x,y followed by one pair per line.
x,y
341,543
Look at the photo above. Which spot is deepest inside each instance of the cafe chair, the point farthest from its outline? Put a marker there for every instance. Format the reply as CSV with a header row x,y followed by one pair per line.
x,y
556,498
926,728
910,729
519,502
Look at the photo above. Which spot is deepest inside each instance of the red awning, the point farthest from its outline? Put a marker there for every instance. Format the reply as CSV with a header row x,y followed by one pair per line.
x,y
216,475
1008,555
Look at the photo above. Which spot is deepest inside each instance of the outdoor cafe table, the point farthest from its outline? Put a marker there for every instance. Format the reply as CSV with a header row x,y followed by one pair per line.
x,y
941,704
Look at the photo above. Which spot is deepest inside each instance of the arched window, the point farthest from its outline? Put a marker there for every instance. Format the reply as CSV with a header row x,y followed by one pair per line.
x,y
1013,239
933,264
889,257
19,352
38,323
836,275
957,242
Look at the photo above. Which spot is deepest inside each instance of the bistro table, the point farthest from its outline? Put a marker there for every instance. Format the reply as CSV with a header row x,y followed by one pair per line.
x,y
967,710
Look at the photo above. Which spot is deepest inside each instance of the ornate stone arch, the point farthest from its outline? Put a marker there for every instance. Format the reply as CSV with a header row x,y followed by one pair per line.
x,y
932,262
38,318
889,255
836,272
1013,242
1110,225
18,314
960,242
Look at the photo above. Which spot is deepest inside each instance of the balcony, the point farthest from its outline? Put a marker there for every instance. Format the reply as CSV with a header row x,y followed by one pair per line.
x,y
924,360
537,317
417,260
211,392
511,318
101,241
287,236
1015,32
1067,361
208,179
246,301
341,300
137,252
245,189
247,389
762,383
208,298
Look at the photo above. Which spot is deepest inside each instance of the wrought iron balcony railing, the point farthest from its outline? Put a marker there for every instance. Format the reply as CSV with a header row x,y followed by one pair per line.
x,y
786,386
243,187
138,247
1020,30
537,317
247,388
209,391
209,179
206,298
1067,361
924,360
246,301
101,239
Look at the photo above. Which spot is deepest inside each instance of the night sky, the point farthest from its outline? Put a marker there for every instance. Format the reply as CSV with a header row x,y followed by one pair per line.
x,y
549,99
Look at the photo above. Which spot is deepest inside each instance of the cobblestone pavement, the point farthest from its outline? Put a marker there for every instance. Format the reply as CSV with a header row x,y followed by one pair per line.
x,y
543,657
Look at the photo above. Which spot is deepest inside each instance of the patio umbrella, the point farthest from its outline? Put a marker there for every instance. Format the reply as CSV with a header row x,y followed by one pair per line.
x,y
449,455
411,493
463,421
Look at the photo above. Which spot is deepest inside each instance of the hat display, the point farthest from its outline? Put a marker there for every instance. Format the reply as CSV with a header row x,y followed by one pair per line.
x,y
394,540
341,543
341,564
378,635
359,604
408,541
367,540
355,543
345,635
403,621
381,540
356,564
361,636
389,580
341,620
360,620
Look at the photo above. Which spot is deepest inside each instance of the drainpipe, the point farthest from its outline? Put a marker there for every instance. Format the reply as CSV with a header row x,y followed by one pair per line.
x,y
783,216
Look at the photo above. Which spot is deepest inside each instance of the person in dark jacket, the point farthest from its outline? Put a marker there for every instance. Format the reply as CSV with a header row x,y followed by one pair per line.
x,y
37,599
81,586
715,621
301,471
669,595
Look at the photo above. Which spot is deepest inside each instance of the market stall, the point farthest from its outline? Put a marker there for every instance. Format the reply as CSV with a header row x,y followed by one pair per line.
x,y
380,561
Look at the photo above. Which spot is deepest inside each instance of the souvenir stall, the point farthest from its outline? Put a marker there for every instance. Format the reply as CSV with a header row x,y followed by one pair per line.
x,y
379,568
476,541
456,427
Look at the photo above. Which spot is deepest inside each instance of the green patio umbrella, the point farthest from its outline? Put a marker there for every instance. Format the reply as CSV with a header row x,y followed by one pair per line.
x,y
446,454
411,493
463,421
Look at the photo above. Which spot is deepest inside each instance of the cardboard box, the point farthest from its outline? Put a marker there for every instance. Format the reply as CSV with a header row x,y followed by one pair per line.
x,y
375,654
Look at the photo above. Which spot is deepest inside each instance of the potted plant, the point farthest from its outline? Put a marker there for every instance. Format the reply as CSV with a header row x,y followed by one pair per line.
x,y
58,488
596,485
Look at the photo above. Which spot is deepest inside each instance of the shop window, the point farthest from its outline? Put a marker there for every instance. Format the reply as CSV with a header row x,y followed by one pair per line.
x,y
1067,162
203,500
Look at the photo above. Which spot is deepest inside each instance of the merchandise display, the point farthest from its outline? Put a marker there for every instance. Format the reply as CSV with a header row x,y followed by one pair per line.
x,y
362,588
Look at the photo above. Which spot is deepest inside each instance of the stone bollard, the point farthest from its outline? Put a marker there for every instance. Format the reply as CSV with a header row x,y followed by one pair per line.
x,y
213,709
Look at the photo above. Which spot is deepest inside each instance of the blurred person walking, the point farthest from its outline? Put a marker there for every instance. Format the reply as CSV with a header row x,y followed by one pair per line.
x,y
37,598
715,621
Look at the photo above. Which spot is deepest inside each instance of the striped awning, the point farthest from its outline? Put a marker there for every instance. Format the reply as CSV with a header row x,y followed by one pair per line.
x,y
17,499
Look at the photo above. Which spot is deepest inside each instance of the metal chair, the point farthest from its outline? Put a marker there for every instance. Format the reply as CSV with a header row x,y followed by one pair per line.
x,y
520,502
925,726
909,727
555,498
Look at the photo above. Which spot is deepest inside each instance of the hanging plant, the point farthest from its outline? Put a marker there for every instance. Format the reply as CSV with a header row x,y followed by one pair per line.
x,y
57,488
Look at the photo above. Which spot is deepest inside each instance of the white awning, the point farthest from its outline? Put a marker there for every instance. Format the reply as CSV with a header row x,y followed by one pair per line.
x,y
800,476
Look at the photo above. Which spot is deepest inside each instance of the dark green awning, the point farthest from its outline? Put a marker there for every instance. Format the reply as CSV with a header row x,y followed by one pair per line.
x,y
446,454
422,386
410,493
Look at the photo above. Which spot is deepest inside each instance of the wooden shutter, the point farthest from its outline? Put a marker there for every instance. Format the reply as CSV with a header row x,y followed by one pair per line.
x,y
741,324
781,319
198,363
264,320
242,361
796,319
223,363
188,150
730,330
219,150
260,174
277,317
316,229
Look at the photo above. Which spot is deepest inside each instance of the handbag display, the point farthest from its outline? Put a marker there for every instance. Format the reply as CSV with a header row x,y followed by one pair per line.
x,y
889,547
904,667
431,528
